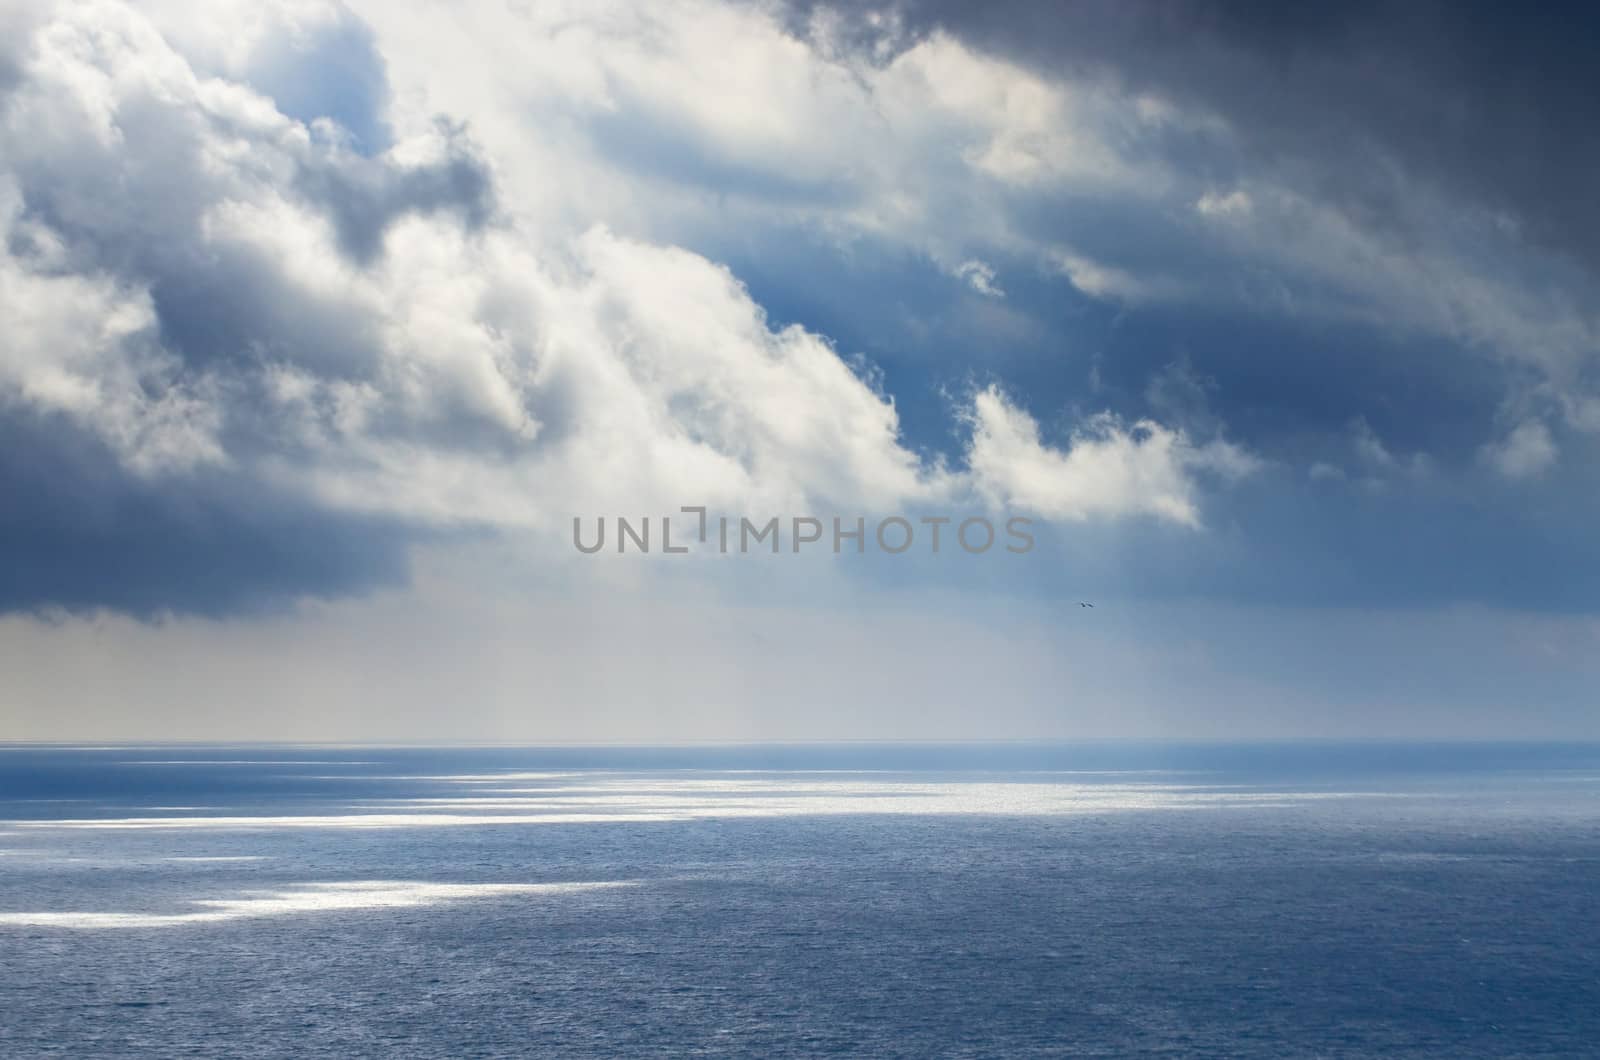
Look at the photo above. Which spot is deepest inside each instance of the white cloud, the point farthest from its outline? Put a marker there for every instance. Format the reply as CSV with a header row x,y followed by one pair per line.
x,y
673,121
202,279
1106,281
1216,204
488,375
980,276
1526,452
1109,469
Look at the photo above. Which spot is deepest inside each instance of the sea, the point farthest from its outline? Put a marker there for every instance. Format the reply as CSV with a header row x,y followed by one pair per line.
x,y
1106,899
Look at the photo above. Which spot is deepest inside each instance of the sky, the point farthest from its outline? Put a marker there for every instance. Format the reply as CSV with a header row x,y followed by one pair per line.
x,y
321,323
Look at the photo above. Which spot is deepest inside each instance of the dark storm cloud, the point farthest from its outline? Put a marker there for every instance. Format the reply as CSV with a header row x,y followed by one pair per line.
x,y
1380,530
80,533
80,530
1457,139
80,525
1489,101
1281,386
1454,140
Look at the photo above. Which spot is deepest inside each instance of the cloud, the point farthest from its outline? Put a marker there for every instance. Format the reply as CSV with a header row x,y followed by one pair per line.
x,y
245,342
85,347
1216,204
1527,452
1108,469
1377,457
980,277
1042,144
1412,222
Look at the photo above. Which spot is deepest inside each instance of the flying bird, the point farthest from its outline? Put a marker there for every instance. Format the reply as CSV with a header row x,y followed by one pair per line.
x,y
1082,604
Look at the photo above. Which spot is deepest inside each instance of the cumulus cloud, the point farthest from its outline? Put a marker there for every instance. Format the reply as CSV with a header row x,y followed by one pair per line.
x,y
237,275
1108,469
684,116
85,346
216,310
907,125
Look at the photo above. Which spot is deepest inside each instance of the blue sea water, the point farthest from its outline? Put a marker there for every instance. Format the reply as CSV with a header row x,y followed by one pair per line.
x,y
1107,900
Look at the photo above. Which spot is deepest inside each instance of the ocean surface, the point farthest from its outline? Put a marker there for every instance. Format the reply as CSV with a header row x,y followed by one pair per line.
x,y
1109,900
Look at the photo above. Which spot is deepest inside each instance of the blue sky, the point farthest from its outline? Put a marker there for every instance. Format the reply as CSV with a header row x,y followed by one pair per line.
x,y
321,321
